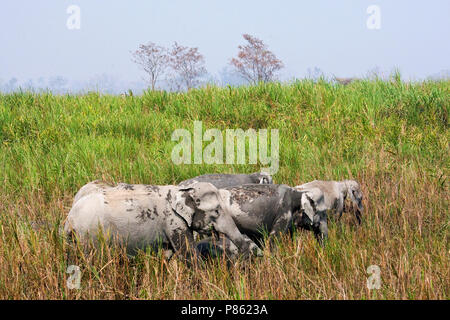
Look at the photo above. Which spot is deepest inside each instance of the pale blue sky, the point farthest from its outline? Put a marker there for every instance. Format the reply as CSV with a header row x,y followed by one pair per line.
x,y
332,35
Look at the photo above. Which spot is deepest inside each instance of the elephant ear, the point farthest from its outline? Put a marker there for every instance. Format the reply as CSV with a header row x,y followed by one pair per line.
x,y
197,196
183,204
308,207
205,195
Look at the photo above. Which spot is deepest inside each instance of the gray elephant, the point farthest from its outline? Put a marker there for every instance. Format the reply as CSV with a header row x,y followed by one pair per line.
x,y
331,195
222,180
310,218
267,209
140,216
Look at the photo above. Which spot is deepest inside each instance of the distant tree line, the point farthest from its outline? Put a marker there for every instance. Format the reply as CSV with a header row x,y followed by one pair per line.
x,y
57,84
181,68
184,67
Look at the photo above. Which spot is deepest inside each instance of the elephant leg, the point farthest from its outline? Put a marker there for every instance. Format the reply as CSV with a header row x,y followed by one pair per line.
x,y
339,208
226,226
280,226
182,243
337,213
320,228
358,216
168,253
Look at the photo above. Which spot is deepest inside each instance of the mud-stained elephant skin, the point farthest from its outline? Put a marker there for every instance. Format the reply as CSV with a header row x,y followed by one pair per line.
x,y
141,216
221,180
265,209
268,210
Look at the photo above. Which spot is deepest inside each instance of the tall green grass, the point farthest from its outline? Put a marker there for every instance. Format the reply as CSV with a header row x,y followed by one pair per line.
x,y
391,136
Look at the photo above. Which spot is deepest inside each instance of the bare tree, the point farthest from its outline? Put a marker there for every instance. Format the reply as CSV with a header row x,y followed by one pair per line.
x,y
188,63
153,59
255,62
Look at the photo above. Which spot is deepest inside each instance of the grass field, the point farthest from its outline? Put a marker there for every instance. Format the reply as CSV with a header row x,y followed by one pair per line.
x,y
393,137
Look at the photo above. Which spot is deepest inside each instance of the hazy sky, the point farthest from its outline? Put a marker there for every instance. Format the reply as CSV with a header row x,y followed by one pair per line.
x,y
332,35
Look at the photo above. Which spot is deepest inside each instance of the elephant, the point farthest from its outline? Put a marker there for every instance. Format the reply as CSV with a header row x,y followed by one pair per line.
x,y
222,180
331,195
141,216
272,209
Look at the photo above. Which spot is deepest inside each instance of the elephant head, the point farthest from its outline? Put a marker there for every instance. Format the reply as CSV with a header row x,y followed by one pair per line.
x,y
355,194
199,205
261,178
204,209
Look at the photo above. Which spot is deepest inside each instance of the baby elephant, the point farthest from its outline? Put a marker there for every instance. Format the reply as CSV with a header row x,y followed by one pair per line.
x,y
331,195
222,180
140,216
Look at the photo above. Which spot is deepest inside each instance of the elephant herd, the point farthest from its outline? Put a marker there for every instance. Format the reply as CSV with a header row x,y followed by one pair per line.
x,y
233,213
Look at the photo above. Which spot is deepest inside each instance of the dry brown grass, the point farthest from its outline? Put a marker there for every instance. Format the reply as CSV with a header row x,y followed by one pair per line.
x,y
405,233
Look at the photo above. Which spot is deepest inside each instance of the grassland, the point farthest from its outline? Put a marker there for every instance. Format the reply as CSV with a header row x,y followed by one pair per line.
x,y
393,137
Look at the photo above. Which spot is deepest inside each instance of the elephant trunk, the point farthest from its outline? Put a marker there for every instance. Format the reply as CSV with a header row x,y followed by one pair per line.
x,y
227,227
358,213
